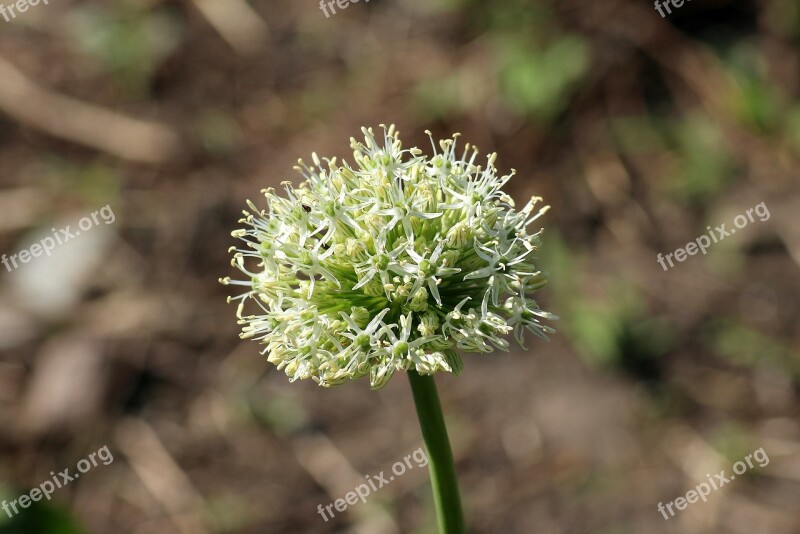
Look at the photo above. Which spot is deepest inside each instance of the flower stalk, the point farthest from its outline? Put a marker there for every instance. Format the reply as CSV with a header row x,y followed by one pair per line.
x,y
396,262
446,497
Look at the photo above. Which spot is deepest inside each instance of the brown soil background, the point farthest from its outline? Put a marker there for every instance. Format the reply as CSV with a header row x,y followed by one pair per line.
x,y
638,130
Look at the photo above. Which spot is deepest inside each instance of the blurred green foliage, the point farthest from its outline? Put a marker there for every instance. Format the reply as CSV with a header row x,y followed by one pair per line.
x,y
282,412
733,441
228,513
758,102
539,82
705,167
42,517
129,39
218,132
96,182
747,347
609,328
535,66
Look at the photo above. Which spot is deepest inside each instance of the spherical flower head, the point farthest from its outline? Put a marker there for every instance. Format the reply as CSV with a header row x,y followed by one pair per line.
x,y
395,263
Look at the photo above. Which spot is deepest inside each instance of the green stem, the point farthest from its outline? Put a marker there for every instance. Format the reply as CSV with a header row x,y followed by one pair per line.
x,y
440,457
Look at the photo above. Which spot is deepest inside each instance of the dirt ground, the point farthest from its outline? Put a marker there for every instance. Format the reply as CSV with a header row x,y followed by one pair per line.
x,y
642,132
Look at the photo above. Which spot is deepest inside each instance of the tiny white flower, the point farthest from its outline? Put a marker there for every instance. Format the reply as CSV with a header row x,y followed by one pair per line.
x,y
391,264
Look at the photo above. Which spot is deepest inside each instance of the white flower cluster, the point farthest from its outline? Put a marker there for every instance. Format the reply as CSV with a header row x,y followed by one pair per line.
x,y
391,264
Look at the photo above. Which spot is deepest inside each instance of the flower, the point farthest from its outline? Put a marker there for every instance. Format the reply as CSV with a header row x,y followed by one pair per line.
x,y
395,263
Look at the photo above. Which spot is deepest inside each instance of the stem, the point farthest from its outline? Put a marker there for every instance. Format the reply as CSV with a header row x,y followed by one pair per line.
x,y
440,458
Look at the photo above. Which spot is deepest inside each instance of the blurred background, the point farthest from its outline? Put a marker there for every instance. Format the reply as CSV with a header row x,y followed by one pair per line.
x,y
639,131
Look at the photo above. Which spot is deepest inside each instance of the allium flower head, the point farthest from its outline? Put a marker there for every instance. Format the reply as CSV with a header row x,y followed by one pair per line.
x,y
394,263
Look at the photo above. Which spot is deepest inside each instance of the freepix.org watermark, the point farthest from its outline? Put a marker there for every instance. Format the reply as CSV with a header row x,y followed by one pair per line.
x,y
665,4
325,5
703,490
9,11
48,487
716,235
59,237
362,491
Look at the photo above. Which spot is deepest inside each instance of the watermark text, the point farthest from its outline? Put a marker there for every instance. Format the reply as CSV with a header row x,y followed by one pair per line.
x,y
59,237
703,490
702,243
376,482
49,486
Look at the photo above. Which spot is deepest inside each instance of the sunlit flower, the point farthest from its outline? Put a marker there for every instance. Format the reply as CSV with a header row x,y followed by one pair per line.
x,y
395,263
